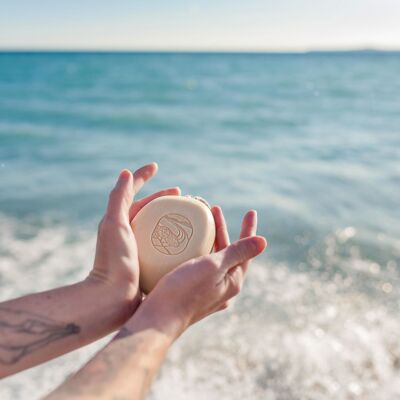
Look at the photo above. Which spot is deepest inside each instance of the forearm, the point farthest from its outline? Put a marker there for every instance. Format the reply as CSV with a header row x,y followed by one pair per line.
x,y
39,327
125,368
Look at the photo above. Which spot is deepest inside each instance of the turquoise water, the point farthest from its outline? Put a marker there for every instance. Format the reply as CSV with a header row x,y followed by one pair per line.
x,y
312,141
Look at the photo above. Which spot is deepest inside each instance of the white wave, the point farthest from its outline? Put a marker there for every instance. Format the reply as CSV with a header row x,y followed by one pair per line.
x,y
294,343
290,335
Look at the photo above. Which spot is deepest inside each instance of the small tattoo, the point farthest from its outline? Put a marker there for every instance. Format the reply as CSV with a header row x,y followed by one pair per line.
x,y
124,332
23,332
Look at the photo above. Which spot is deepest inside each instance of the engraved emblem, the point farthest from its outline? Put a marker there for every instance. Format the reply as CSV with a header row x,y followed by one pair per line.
x,y
172,234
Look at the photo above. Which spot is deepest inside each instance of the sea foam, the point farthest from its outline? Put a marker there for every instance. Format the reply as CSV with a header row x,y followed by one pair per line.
x,y
292,334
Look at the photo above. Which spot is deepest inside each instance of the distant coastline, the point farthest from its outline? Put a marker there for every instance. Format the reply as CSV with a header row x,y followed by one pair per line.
x,y
361,51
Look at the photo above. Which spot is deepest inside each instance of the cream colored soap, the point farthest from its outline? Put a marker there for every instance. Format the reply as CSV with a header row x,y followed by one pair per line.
x,y
169,231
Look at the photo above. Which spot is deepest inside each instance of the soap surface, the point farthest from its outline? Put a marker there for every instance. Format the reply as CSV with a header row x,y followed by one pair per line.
x,y
169,231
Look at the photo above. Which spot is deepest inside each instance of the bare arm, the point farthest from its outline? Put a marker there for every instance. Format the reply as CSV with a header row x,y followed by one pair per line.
x,y
41,326
38,327
125,368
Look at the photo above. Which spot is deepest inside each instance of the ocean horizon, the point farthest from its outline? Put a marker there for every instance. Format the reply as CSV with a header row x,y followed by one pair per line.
x,y
55,50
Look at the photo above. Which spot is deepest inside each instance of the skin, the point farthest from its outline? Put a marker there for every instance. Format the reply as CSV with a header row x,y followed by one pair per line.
x,y
125,368
41,326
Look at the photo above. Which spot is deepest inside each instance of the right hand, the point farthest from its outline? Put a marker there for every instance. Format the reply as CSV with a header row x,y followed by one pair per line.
x,y
203,285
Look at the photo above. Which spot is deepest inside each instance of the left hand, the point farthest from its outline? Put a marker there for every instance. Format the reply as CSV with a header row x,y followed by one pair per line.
x,y
116,262
203,285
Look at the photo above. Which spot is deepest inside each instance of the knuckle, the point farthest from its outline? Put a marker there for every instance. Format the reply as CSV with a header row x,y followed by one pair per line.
x,y
225,305
237,252
211,261
236,287
235,283
252,248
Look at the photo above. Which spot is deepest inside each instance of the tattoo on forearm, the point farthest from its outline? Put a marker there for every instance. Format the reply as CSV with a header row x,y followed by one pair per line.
x,y
24,332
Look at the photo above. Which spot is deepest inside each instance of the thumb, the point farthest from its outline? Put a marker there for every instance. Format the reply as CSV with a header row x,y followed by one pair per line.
x,y
120,198
242,250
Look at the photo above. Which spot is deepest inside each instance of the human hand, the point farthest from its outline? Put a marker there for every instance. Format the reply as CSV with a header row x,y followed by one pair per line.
x,y
203,285
116,262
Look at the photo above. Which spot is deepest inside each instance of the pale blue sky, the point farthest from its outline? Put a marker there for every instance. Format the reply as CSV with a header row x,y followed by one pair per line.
x,y
199,24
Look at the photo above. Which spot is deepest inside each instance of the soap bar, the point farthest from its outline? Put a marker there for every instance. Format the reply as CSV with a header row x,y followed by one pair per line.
x,y
169,231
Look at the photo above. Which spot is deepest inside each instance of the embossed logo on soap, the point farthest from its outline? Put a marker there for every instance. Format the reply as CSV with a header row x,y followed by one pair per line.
x,y
172,234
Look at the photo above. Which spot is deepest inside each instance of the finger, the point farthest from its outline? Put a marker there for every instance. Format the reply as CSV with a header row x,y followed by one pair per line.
x,y
236,275
142,175
221,231
249,224
138,205
121,196
249,228
235,278
242,251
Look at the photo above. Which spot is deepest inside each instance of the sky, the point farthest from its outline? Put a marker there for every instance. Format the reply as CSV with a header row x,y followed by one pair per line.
x,y
231,25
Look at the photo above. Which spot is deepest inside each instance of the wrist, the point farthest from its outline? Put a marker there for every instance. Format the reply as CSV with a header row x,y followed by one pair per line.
x,y
123,299
153,316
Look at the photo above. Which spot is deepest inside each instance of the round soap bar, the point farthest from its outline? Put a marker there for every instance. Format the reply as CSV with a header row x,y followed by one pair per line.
x,y
169,231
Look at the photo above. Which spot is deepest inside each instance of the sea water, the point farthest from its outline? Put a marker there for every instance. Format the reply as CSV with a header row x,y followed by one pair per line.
x,y
312,141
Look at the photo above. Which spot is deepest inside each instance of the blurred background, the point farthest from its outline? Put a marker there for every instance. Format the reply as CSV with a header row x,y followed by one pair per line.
x,y
291,108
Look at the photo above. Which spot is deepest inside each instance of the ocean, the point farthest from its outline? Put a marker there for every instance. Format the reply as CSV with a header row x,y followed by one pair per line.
x,y
312,141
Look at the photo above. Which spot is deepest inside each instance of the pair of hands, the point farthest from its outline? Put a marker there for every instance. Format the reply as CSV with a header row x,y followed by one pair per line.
x,y
193,290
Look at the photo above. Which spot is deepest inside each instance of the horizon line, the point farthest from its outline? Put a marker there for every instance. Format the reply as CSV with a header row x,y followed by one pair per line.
x,y
205,51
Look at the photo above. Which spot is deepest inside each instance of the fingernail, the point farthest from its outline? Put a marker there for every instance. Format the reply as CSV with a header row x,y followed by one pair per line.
x,y
124,174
